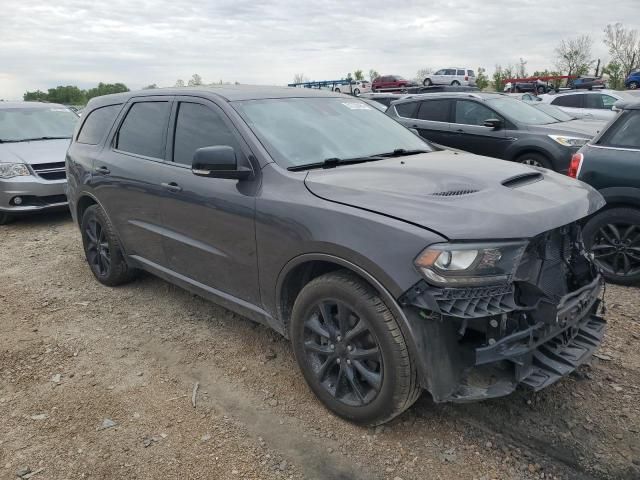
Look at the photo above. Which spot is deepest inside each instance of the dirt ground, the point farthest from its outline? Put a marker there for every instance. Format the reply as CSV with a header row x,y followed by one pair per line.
x,y
97,382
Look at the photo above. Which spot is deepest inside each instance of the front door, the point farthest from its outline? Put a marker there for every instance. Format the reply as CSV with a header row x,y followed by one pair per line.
x,y
210,221
469,133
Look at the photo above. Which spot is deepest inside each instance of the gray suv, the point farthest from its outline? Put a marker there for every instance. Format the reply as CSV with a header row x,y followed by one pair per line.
x,y
494,125
33,140
391,266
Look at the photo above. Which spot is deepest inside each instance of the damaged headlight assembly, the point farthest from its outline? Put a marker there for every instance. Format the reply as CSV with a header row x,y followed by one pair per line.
x,y
470,264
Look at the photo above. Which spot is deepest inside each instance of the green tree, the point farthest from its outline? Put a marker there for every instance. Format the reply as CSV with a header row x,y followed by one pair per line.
x,y
373,74
195,80
69,95
614,70
358,75
573,56
37,96
521,71
106,89
179,83
482,81
624,46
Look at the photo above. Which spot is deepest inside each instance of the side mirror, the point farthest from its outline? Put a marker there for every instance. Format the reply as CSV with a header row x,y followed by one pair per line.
x,y
493,123
218,162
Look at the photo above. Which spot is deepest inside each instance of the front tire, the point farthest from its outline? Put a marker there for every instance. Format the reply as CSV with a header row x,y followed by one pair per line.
x,y
356,92
102,249
613,236
427,82
455,83
535,160
5,218
634,85
351,350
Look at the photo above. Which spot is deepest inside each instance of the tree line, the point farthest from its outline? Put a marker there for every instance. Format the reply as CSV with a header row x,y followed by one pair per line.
x,y
572,57
72,95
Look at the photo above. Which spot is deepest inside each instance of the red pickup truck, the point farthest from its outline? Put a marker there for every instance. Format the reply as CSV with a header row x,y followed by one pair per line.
x,y
389,82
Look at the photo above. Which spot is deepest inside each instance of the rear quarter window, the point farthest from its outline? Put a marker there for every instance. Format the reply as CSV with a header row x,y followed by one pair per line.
x,y
407,110
97,123
624,132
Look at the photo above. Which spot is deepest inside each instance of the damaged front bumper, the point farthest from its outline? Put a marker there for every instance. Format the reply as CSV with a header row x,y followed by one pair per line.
x,y
479,343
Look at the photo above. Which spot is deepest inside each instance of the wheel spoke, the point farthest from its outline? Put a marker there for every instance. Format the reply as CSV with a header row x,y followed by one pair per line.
x,y
316,327
371,377
358,329
365,354
325,367
612,230
353,382
314,347
628,232
626,262
597,248
343,318
106,260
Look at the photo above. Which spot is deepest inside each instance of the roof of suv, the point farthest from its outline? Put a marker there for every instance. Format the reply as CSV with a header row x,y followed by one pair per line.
x,y
229,93
476,95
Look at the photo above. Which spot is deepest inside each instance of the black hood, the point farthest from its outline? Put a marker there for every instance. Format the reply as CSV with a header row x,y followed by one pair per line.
x,y
576,128
460,196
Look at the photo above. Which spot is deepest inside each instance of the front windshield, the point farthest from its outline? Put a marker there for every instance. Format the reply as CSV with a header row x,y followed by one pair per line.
x,y
302,131
18,124
554,111
520,111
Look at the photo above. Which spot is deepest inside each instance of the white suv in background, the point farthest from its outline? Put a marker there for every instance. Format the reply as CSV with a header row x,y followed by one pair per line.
x,y
451,76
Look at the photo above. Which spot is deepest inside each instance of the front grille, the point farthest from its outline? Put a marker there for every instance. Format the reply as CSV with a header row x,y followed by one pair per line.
x,y
474,302
50,171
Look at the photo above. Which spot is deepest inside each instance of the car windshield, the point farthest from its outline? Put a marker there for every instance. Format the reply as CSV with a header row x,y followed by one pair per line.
x,y
520,111
303,131
554,111
21,124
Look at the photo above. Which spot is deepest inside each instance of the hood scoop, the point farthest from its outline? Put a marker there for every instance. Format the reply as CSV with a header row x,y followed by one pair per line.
x,y
523,179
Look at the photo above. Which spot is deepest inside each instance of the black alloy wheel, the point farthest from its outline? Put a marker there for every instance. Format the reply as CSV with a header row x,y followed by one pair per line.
x,y
613,236
343,353
97,248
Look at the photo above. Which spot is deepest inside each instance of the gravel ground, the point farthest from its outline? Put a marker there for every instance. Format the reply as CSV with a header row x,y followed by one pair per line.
x,y
98,382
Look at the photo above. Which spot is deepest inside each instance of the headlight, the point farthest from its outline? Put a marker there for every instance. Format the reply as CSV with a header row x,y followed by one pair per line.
x,y
470,264
569,141
10,170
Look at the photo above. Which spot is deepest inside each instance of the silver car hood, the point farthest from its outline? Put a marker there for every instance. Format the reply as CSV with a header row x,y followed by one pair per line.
x,y
34,152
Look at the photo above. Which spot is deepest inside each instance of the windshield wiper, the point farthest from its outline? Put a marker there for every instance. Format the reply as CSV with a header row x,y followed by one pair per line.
x,y
401,152
35,139
334,162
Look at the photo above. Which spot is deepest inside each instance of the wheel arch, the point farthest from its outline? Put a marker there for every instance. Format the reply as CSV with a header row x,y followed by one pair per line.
x,y
84,202
621,197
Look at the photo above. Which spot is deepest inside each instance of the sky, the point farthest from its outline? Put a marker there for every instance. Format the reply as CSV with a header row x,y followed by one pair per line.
x,y
77,42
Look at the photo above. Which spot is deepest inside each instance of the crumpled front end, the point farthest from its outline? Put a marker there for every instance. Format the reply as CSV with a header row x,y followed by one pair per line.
x,y
482,342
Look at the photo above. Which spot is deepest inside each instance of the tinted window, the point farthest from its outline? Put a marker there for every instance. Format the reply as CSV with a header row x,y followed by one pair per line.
x,y
472,113
407,110
450,71
434,110
97,124
198,126
440,72
460,72
593,101
144,129
568,101
470,73
624,132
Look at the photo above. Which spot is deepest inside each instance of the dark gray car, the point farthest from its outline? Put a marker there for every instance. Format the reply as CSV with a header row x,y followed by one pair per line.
x,y
391,266
494,125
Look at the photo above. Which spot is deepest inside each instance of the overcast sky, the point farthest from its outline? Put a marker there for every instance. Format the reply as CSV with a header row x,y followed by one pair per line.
x,y
73,42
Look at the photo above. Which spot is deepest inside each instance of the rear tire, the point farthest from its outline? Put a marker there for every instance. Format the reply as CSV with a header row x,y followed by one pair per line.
x,y
351,350
102,249
356,92
427,82
613,235
535,160
5,218
541,90
455,83
634,85
337,90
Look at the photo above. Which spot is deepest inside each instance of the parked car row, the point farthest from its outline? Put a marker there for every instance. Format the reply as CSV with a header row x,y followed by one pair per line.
x,y
596,104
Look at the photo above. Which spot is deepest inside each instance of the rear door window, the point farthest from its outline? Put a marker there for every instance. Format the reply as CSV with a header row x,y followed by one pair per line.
x,y
574,101
97,123
593,101
199,126
407,110
472,113
624,132
450,71
144,129
461,72
435,110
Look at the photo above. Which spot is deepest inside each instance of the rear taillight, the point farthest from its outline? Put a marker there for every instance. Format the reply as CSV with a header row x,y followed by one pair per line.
x,y
466,79
575,165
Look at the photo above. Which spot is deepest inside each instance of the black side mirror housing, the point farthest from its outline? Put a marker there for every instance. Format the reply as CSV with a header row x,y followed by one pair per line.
x,y
218,162
493,123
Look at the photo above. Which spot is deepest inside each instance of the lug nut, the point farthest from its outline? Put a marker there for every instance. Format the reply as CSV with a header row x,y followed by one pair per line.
x,y
492,341
337,360
350,348
348,362
339,338
332,346
493,323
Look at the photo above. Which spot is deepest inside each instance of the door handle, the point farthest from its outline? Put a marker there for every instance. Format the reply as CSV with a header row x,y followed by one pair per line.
x,y
103,171
460,130
172,187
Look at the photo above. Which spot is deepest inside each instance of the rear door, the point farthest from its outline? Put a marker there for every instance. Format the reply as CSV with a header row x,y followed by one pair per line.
x,y
128,175
469,133
431,119
210,221
600,105
573,104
